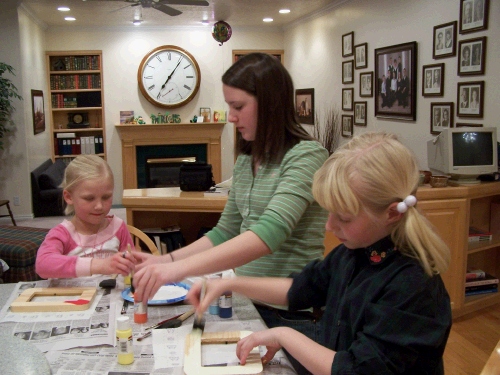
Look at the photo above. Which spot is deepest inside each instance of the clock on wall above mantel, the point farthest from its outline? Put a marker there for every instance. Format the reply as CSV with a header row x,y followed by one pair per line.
x,y
169,76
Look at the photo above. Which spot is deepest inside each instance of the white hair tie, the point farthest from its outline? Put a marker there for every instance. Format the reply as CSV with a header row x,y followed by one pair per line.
x,y
409,201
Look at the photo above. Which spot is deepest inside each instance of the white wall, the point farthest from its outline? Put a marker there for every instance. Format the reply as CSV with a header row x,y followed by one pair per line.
x,y
314,57
123,51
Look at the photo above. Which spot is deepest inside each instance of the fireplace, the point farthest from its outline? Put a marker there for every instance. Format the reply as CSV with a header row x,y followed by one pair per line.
x,y
199,140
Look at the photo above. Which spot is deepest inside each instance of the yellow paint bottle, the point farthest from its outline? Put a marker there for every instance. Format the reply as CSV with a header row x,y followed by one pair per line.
x,y
124,341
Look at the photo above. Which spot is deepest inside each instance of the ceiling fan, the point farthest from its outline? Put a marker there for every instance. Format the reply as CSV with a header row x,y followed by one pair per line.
x,y
163,5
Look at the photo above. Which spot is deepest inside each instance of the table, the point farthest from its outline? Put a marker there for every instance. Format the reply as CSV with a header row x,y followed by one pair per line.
x,y
100,360
163,207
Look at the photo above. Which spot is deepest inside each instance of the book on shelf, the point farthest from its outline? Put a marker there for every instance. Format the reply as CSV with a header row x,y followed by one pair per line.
x,y
216,192
481,287
476,234
474,274
488,279
483,291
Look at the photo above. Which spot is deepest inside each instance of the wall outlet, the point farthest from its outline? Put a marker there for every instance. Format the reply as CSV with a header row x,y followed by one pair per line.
x,y
17,201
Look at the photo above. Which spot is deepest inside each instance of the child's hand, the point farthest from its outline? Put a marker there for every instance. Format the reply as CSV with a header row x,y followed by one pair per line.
x,y
269,338
118,263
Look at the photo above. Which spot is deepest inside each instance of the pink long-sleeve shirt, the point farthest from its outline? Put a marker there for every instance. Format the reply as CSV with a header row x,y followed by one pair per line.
x,y
66,253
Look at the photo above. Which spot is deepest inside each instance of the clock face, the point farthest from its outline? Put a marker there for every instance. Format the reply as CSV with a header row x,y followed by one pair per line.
x,y
169,77
77,119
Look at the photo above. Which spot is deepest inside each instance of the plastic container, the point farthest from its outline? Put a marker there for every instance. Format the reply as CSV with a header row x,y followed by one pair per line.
x,y
213,309
140,312
124,341
226,305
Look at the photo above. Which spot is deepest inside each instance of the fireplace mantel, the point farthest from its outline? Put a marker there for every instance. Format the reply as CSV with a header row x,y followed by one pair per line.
x,y
208,133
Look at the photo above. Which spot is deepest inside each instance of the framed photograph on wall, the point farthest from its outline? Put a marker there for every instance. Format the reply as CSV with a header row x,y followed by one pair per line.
x,y
471,61
304,104
347,126
360,113
393,100
366,85
347,99
473,15
444,40
38,111
278,53
468,125
433,80
470,99
347,71
361,56
441,117
347,43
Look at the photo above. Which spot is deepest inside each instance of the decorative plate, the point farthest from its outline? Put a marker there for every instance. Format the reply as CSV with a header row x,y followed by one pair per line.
x,y
167,294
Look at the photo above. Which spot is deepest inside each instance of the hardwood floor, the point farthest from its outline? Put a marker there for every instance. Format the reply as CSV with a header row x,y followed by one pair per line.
x,y
472,339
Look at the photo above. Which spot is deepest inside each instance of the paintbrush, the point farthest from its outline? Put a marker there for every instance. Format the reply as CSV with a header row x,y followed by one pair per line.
x,y
132,289
169,323
199,321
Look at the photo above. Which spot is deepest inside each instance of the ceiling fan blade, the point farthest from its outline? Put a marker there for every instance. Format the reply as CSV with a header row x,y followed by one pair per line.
x,y
185,2
166,9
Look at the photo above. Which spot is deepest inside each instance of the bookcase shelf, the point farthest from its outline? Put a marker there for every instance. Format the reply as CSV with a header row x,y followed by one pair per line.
x,y
76,99
453,210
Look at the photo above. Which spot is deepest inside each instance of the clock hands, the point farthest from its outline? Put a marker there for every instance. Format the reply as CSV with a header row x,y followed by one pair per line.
x,y
171,74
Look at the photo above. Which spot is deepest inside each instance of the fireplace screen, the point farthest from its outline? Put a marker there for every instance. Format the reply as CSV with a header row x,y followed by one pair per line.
x,y
164,172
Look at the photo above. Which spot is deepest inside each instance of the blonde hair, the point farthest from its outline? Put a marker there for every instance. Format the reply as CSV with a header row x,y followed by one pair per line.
x,y
84,167
371,172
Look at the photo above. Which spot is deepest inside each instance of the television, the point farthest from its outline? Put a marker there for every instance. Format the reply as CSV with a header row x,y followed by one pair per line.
x,y
464,154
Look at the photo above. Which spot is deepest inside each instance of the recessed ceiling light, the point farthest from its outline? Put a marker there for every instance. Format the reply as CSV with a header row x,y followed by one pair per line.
x,y
267,19
63,9
70,18
284,10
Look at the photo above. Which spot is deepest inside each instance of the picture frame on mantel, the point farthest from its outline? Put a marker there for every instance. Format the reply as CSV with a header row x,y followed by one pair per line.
x,y
37,106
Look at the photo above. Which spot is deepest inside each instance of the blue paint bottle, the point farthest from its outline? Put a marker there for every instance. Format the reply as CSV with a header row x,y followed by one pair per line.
x,y
226,305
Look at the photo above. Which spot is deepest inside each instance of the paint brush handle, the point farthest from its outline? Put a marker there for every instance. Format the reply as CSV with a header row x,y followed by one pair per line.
x,y
198,316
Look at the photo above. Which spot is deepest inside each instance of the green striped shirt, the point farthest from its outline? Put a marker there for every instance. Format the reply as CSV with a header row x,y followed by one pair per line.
x,y
278,206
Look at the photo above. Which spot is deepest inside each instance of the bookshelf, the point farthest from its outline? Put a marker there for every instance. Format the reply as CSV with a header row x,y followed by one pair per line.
x,y
453,210
76,103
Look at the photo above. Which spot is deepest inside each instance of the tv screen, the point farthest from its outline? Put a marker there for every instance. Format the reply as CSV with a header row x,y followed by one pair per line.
x,y
472,148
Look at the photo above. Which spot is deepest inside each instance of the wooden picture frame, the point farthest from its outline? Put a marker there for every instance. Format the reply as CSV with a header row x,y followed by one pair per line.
x,y
361,56
444,42
441,116
304,105
347,128
348,72
360,113
278,53
433,80
473,15
472,57
26,302
347,99
470,99
37,106
366,85
347,44
468,125
391,104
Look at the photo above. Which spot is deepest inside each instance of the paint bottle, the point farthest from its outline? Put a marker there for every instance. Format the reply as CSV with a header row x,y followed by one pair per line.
x,y
124,341
140,312
226,305
127,280
213,309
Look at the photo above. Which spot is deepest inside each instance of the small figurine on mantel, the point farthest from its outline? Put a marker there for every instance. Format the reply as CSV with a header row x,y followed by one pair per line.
x,y
195,119
140,120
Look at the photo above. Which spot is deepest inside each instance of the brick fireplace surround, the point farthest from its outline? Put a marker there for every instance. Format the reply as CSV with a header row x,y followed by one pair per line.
x,y
169,134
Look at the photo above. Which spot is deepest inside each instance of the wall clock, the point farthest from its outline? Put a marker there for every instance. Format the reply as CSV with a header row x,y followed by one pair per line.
x,y
169,76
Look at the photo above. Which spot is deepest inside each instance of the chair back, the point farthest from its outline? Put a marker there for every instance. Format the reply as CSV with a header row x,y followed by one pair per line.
x,y
138,236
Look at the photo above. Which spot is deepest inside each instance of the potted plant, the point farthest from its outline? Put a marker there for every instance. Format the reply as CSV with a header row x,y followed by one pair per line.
x,y
8,92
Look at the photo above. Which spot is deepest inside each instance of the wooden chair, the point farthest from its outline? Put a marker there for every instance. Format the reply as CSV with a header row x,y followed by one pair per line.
x,y
138,236
6,203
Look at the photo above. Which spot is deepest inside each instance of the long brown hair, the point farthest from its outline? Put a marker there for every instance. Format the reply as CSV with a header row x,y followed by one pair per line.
x,y
278,128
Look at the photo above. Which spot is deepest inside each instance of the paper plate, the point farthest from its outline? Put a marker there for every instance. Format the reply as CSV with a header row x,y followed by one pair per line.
x,y
168,293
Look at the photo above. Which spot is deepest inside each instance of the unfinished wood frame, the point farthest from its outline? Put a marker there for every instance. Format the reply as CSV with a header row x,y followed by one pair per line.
x,y
25,303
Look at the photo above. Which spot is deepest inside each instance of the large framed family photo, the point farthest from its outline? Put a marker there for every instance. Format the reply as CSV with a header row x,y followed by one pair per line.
x,y
433,80
473,15
395,80
304,104
470,99
445,40
472,56
441,117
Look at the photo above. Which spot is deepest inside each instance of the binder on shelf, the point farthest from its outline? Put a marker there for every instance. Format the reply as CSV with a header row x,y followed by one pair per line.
x,y
474,274
476,234
484,291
